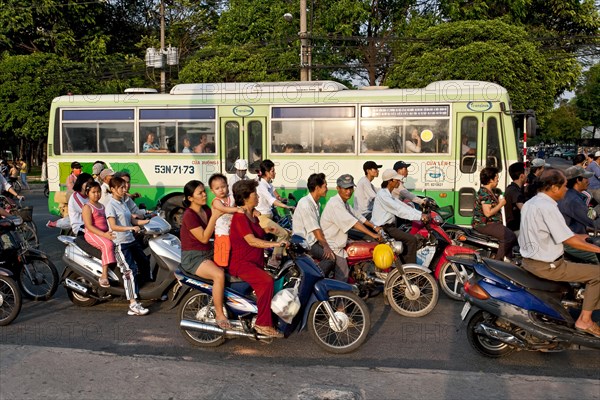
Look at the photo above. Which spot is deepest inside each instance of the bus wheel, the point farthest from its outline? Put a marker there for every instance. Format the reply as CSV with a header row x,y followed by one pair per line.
x,y
173,209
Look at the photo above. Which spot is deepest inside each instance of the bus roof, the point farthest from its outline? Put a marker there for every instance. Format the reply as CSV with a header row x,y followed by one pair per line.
x,y
299,92
257,87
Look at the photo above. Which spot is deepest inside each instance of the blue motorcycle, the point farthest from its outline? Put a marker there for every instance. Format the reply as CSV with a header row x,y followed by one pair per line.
x,y
511,309
338,319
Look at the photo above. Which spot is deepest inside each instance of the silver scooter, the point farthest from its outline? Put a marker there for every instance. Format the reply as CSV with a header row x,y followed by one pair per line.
x,y
84,268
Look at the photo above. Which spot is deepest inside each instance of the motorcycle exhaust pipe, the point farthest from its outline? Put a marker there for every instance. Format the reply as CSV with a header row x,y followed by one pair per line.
x,y
500,335
379,281
208,328
78,287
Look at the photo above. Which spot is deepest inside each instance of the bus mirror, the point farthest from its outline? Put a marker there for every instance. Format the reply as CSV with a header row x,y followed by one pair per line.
x,y
531,124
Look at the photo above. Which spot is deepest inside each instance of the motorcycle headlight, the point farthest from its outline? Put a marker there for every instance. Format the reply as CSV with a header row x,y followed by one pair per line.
x,y
397,246
438,219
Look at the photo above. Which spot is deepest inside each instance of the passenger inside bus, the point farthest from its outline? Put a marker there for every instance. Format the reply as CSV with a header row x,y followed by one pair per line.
x,y
151,147
413,143
204,146
186,145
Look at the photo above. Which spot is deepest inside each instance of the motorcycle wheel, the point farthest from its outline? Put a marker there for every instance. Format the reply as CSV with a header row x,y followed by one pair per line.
x,y
17,186
451,282
38,278
195,307
77,298
482,344
417,304
10,300
29,235
352,314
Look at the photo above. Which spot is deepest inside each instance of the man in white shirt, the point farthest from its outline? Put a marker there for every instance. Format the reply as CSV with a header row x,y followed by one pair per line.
x,y
241,167
306,222
337,219
365,191
401,192
7,187
544,233
267,199
386,209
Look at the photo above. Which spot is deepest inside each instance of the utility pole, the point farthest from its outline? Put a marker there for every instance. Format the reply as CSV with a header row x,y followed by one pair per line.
x,y
305,47
163,73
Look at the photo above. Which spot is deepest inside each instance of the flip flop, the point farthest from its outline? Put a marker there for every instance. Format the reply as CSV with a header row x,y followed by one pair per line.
x,y
593,330
223,324
103,282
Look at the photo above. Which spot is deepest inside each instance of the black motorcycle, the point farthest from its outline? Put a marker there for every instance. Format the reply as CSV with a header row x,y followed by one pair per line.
x,y
34,272
10,298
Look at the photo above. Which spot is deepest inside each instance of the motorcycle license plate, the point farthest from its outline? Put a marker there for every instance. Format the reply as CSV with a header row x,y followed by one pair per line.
x,y
465,311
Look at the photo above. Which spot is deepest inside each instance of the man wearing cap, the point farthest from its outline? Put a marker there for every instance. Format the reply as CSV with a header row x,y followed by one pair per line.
x,y
575,210
75,171
594,168
365,191
96,169
306,222
241,167
543,236
337,219
535,171
401,192
105,177
386,209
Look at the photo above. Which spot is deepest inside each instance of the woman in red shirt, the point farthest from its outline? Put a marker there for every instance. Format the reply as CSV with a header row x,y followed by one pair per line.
x,y
197,227
247,259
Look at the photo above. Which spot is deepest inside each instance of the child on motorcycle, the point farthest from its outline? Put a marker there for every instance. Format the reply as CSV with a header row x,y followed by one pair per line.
x,y
224,203
96,230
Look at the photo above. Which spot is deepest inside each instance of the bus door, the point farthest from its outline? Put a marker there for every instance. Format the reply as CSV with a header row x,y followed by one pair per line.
x,y
469,148
242,138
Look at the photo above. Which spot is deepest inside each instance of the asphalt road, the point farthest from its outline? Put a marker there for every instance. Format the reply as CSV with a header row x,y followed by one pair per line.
x,y
83,352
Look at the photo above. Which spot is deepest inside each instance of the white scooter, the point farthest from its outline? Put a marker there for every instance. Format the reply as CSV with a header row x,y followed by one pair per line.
x,y
84,268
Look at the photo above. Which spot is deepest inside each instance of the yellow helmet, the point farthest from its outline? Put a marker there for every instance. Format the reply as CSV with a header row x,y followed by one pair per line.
x,y
383,256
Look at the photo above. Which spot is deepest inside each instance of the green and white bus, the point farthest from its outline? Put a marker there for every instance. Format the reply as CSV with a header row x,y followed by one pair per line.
x,y
304,127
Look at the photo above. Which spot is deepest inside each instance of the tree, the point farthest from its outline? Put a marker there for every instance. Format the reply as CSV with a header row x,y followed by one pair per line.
x,y
563,124
488,51
28,83
588,96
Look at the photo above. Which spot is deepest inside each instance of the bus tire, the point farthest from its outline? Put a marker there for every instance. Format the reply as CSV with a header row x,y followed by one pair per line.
x,y
173,209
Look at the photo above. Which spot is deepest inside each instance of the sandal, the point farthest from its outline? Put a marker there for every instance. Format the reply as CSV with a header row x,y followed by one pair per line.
x,y
593,330
103,282
223,324
268,331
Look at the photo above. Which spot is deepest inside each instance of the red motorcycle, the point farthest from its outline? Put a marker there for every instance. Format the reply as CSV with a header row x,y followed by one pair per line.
x,y
368,279
436,249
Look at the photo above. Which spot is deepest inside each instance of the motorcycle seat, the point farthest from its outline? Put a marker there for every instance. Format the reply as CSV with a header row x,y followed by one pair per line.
x,y
88,248
228,278
480,236
526,279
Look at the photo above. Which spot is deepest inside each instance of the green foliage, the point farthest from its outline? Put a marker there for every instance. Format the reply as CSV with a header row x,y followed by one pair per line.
x,y
28,83
563,124
230,64
488,51
588,96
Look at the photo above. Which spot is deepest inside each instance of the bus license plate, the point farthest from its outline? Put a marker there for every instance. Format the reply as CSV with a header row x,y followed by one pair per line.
x,y
465,311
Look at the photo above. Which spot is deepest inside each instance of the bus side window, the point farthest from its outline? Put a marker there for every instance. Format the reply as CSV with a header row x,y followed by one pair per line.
x,y
468,145
255,144
493,145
